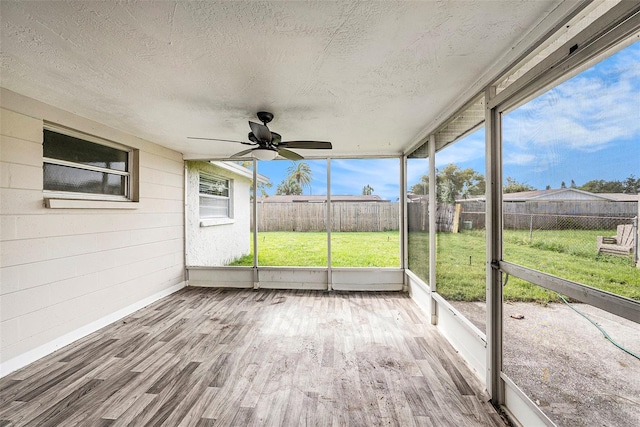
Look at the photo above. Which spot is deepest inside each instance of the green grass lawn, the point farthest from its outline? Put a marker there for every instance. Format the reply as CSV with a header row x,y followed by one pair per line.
x,y
460,266
309,249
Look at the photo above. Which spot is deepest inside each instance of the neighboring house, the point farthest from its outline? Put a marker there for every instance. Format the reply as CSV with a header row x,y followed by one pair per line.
x,y
560,195
218,207
567,194
588,210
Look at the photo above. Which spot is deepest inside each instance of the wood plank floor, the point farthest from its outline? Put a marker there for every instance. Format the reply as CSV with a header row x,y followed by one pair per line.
x,y
216,357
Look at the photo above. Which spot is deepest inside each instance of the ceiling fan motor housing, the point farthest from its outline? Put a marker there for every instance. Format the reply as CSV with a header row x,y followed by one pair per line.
x,y
265,116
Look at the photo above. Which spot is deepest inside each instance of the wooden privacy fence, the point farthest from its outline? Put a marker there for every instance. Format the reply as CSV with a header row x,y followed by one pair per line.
x,y
418,216
367,216
345,216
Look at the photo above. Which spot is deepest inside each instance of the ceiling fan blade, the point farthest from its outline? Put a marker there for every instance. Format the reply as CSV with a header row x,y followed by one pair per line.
x,y
242,153
288,154
276,138
309,145
260,131
223,140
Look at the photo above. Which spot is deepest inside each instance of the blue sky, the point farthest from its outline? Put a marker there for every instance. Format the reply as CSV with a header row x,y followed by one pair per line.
x,y
583,129
347,176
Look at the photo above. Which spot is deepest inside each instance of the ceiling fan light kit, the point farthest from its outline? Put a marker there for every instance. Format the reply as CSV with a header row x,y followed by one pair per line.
x,y
264,154
269,144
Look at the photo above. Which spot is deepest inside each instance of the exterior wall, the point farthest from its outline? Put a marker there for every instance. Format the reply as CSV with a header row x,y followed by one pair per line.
x,y
216,243
65,273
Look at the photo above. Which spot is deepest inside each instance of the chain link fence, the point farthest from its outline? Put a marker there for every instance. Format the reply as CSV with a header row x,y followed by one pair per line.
x,y
573,234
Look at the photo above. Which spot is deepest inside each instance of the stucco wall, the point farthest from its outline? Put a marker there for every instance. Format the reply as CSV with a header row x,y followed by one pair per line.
x,y
67,272
217,245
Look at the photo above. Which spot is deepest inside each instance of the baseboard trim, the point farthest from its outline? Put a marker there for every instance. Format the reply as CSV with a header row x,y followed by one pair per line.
x,y
31,356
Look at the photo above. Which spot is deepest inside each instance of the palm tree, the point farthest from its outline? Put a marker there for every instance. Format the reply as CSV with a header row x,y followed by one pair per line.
x,y
300,172
288,187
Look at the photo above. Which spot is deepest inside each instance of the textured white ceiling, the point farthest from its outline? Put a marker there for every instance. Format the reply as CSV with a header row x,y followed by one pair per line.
x,y
368,76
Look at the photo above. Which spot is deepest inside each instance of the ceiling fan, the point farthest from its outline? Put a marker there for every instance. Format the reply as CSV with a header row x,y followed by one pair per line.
x,y
268,145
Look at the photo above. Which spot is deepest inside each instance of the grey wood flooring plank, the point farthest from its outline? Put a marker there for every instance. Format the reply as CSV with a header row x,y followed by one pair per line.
x,y
136,411
206,422
180,390
193,417
173,375
245,357
56,378
226,402
118,403
56,414
256,385
89,351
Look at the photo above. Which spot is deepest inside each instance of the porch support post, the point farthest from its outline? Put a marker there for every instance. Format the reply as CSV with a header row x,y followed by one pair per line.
x,y
329,221
432,226
493,142
254,206
404,227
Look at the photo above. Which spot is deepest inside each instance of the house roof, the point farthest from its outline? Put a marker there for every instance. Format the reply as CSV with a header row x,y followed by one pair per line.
x,y
555,194
320,199
562,194
240,170
371,77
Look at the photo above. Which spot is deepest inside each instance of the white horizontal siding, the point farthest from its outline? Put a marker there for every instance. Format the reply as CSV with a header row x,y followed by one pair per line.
x,y
65,271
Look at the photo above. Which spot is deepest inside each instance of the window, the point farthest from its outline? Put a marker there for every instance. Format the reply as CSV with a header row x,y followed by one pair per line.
x,y
77,168
215,201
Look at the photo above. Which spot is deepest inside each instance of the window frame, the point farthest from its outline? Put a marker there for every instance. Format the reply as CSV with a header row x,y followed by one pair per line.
x,y
130,195
214,220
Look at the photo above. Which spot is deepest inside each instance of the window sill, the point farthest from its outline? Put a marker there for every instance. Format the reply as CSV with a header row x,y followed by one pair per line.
x,y
216,221
88,204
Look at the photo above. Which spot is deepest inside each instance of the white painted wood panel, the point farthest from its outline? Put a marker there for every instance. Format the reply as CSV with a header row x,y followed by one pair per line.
x,y
420,292
464,337
292,278
240,277
459,331
64,272
367,279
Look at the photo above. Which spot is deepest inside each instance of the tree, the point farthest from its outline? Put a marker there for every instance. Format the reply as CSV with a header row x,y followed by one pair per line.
x,y
262,188
631,185
288,187
300,172
422,187
367,190
513,186
451,183
602,186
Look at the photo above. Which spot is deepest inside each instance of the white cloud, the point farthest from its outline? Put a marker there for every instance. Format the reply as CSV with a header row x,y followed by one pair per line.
x,y
518,159
587,113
